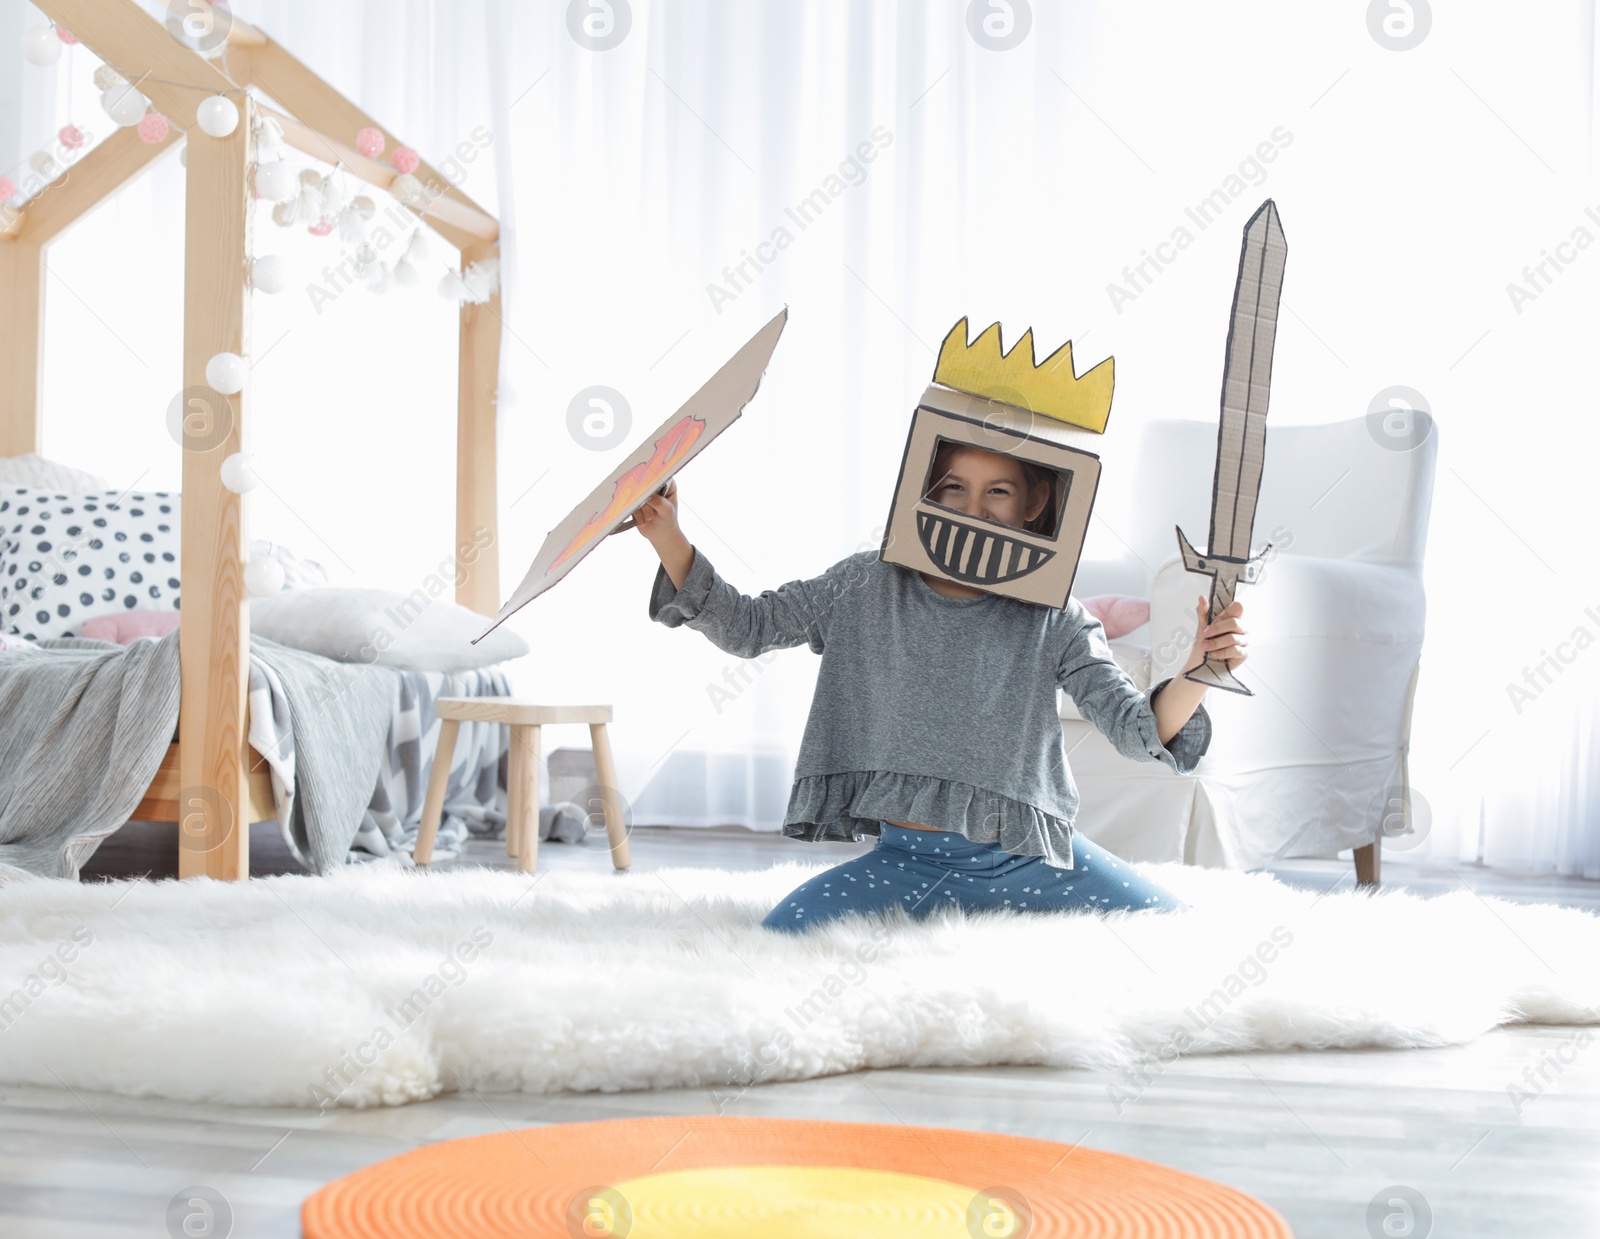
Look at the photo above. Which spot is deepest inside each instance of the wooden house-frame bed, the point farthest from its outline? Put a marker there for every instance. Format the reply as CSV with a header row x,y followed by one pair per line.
x,y
211,782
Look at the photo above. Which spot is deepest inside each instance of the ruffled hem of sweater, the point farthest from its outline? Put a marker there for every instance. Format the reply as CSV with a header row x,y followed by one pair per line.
x,y
850,804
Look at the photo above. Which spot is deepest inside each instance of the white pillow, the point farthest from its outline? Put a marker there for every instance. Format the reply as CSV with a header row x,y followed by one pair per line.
x,y
41,473
412,632
66,558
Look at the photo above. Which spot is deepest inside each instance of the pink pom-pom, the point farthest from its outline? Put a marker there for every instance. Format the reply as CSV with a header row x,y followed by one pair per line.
x,y
404,160
321,228
70,137
154,128
8,189
66,36
370,142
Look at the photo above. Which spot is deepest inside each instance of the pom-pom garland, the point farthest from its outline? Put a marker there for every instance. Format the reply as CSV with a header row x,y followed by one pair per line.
x,y
322,204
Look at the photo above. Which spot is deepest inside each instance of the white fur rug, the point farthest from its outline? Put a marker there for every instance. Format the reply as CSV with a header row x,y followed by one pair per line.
x,y
382,986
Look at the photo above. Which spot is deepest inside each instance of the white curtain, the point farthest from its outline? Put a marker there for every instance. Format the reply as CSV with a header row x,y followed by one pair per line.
x,y
1436,198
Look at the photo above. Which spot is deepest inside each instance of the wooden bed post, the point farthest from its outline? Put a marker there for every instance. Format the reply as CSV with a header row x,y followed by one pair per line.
x,y
21,343
214,638
476,501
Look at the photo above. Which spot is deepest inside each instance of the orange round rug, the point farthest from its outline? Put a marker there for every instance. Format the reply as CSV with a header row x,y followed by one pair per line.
x,y
716,1177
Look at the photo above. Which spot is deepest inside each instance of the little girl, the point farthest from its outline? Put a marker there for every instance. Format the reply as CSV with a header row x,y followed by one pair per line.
x,y
934,724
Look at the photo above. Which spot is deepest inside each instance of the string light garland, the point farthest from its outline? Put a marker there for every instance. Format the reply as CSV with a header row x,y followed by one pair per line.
x,y
41,46
124,103
217,116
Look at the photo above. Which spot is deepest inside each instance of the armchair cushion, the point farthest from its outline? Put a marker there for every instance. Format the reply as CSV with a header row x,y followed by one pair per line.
x,y
1119,614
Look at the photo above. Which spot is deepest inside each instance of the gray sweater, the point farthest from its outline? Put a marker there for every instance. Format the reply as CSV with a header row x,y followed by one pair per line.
x,y
931,709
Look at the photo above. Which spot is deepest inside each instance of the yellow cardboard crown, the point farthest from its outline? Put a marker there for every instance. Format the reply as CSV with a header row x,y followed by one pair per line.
x,y
1049,388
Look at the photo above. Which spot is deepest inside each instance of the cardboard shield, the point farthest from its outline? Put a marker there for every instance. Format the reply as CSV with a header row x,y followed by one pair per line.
x,y
649,467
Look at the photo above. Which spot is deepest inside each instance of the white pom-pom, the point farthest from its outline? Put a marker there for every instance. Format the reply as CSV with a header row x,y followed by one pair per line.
x,y
125,105
407,188
333,196
269,138
417,251
263,577
406,275
270,274
364,207
285,214
482,280
218,116
352,228
239,473
277,181
41,46
44,163
226,372
105,77
476,285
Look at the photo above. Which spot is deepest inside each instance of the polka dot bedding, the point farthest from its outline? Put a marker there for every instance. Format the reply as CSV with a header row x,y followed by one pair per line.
x,y
67,558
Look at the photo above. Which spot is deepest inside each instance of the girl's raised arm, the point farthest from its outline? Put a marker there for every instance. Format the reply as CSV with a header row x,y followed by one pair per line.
x,y
1107,696
687,590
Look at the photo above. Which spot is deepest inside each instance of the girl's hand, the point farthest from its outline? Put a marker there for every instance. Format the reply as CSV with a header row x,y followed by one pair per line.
x,y
657,520
1223,637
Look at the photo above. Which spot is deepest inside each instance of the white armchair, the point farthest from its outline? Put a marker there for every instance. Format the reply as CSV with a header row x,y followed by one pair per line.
x,y
1309,765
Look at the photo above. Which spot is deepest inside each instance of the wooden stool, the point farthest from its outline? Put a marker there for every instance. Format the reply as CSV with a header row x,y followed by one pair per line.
x,y
522,791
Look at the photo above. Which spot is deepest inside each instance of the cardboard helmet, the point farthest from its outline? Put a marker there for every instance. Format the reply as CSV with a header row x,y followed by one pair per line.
x,y
1048,419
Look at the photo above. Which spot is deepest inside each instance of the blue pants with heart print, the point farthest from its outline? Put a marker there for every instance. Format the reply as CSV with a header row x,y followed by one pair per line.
x,y
924,870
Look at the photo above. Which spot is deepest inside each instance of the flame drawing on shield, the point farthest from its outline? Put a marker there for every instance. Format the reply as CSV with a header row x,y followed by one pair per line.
x,y
635,486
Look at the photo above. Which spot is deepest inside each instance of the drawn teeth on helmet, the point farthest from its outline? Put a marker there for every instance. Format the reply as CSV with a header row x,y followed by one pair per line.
x,y
971,553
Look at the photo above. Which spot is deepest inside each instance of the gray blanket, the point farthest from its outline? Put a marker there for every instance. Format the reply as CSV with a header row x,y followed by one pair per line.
x,y
84,726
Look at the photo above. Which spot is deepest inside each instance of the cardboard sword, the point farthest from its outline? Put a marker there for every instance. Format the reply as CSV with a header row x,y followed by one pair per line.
x,y
1242,432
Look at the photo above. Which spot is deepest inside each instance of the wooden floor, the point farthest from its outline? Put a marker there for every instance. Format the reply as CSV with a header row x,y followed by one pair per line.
x,y
1317,1135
